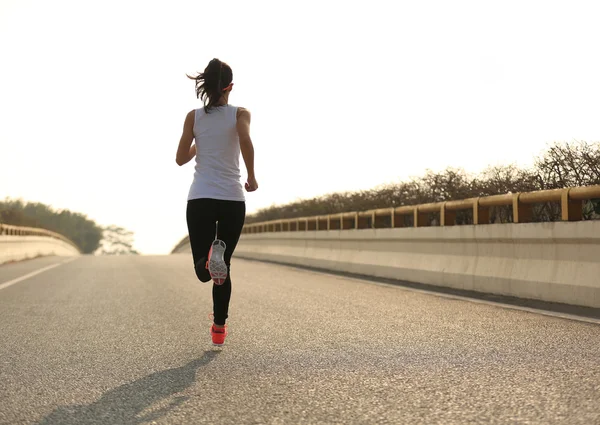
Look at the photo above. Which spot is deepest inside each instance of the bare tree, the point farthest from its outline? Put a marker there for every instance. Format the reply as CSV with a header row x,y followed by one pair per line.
x,y
116,241
561,165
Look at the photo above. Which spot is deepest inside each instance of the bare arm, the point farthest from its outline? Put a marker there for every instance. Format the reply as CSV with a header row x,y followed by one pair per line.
x,y
186,151
246,146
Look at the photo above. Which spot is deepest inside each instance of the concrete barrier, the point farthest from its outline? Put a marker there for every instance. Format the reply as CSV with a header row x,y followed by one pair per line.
x,y
17,248
555,262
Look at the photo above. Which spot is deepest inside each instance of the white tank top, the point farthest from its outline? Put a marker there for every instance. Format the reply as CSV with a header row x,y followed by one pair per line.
x,y
217,174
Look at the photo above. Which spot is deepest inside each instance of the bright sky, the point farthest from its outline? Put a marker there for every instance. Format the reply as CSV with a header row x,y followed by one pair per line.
x,y
344,95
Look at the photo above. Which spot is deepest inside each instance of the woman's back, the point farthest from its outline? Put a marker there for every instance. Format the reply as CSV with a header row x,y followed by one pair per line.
x,y
217,171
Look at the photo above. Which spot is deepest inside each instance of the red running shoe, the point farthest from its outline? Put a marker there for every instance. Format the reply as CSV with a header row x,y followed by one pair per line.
x,y
218,335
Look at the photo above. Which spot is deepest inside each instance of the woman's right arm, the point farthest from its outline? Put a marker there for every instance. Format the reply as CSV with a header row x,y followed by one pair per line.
x,y
246,146
186,151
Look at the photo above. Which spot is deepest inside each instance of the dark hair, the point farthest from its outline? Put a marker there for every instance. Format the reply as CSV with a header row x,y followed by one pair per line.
x,y
210,84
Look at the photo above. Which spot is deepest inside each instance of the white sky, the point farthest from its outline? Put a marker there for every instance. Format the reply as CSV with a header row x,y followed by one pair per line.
x,y
344,95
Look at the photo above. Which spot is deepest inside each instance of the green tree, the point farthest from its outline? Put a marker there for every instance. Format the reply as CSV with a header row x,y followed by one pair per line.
x,y
85,233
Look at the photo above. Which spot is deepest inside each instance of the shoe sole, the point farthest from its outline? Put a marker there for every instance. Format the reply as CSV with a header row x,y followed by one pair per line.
x,y
216,265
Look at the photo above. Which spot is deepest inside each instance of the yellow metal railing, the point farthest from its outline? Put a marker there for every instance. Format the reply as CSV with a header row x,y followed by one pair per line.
x,y
7,229
570,199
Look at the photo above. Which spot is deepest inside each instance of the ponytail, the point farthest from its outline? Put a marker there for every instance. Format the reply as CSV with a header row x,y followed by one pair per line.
x,y
211,83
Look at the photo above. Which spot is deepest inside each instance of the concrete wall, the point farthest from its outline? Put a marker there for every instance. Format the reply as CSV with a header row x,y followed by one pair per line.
x,y
182,248
16,248
556,262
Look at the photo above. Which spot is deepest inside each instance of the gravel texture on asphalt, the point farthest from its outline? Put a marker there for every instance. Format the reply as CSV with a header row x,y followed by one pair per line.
x,y
124,340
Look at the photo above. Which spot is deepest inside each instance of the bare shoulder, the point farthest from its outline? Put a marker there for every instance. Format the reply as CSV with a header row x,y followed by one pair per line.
x,y
191,116
242,113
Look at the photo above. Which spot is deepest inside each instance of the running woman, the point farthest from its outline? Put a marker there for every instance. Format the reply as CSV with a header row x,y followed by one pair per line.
x,y
216,206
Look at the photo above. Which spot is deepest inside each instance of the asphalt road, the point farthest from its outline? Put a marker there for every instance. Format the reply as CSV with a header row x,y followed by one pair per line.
x,y
124,340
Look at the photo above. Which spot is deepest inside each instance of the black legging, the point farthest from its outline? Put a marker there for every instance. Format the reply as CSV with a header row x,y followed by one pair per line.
x,y
202,217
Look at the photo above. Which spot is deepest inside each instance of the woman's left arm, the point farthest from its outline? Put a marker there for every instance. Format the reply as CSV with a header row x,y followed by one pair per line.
x,y
186,151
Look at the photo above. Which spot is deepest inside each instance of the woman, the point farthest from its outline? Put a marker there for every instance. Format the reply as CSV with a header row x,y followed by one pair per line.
x,y
216,206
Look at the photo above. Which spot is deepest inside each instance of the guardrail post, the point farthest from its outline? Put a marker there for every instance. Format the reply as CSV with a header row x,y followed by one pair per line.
x,y
367,222
481,215
522,213
347,223
420,219
570,210
318,223
447,218
381,221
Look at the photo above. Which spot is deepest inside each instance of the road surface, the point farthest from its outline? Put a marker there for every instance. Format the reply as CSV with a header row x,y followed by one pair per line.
x,y
124,340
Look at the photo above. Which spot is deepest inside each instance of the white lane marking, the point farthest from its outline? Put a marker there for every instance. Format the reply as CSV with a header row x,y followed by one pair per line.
x,y
27,276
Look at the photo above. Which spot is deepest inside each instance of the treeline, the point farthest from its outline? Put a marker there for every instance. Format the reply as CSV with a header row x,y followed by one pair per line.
x,y
84,232
560,165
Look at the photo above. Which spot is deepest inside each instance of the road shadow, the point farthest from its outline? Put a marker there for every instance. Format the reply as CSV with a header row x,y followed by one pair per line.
x,y
122,405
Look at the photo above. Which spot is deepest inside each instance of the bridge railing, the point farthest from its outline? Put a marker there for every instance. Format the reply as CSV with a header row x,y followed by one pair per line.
x,y
569,199
10,230
183,242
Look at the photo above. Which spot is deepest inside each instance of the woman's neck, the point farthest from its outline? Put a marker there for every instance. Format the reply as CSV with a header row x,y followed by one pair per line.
x,y
223,101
